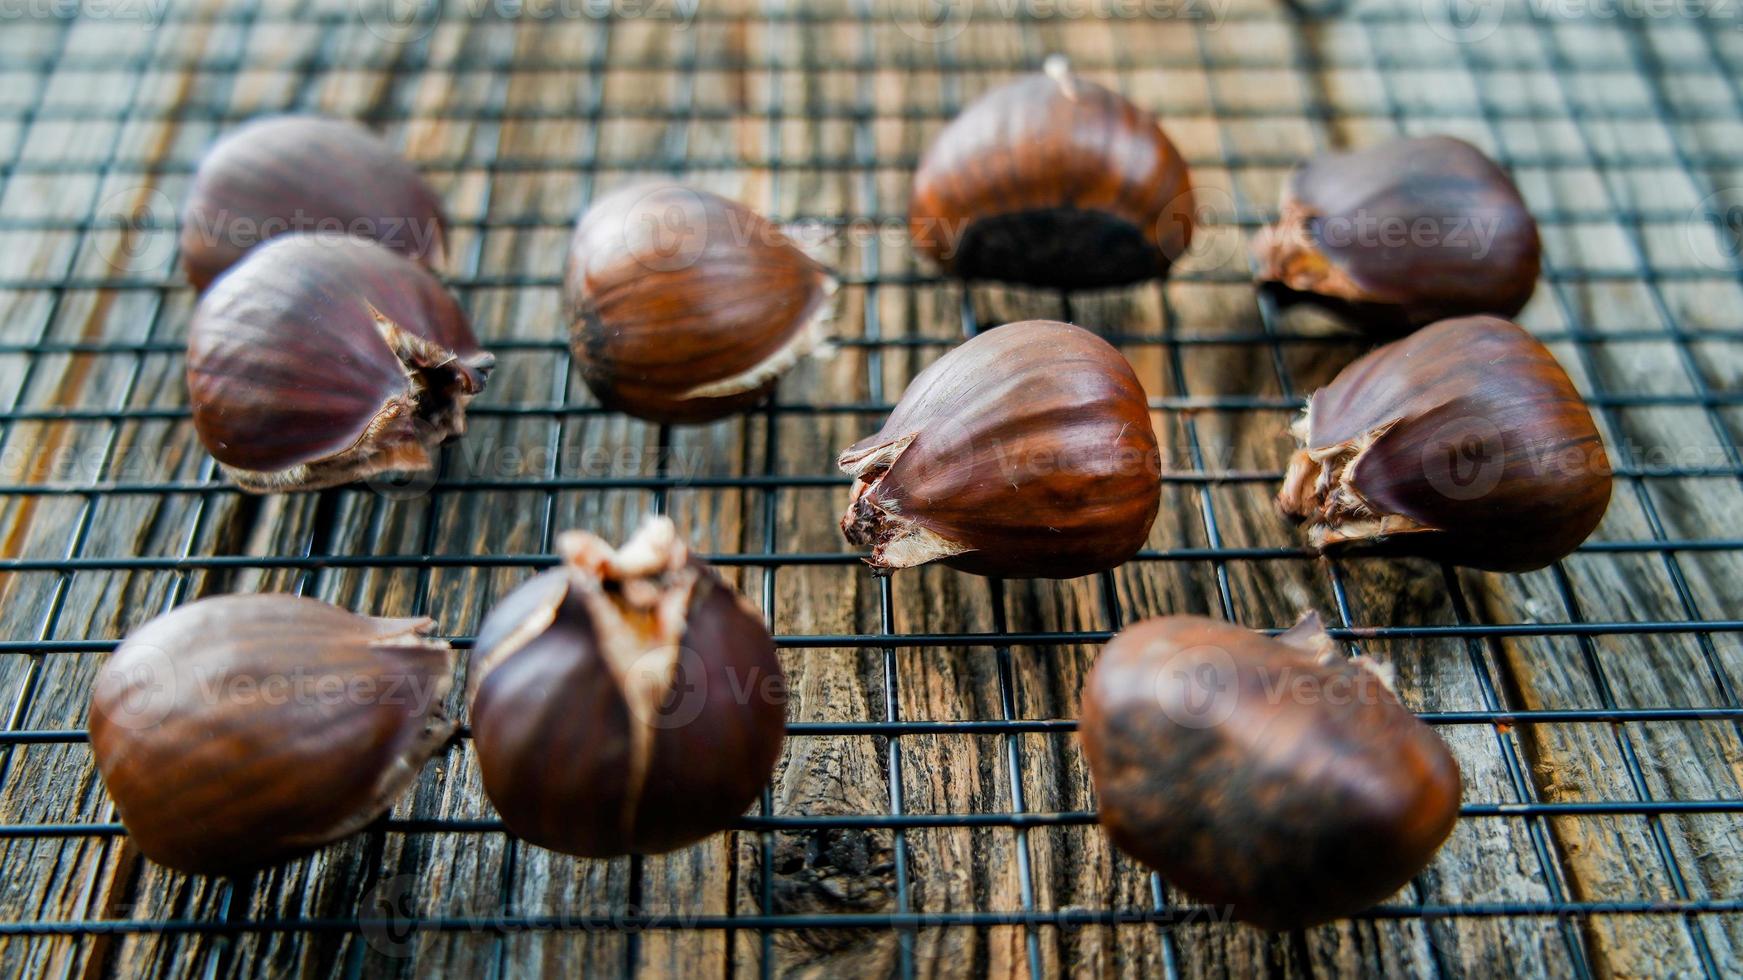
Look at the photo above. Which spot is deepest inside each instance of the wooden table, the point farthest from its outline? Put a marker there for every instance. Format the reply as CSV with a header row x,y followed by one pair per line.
x,y
1623,133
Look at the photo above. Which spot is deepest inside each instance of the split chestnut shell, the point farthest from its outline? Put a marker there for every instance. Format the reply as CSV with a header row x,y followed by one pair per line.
x,y
686,307
1273,776
1052,180
1404,233
1463,442
1025,452
289,174
244,730
627,702
315,363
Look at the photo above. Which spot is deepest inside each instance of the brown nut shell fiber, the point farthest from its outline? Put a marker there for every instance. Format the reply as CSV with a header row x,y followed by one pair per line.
x,y
1464,442
317,362
686,307
628,702
306,174
244,730
1273,776
1053,180
1404,233
1025,452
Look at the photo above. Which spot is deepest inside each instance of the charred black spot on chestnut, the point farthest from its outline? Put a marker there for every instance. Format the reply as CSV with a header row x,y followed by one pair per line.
x,y
1053,180
628,702
317,362
1271,776
1027,452
241,731
1403,233
686,307
289,174
1463,442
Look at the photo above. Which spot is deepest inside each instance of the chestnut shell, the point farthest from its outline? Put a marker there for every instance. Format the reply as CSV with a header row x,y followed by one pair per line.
x,y
1052,180
1026,452
1273,776
316,362
288,174
1403,233
628,702
1463,442
686,307
240,731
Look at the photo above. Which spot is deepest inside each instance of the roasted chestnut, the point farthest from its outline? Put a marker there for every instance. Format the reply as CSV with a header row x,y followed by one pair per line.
x,y
1052,180
627,702
289,174
1027,451
244,730
687,307
316,362
1273,777
1464,442
1402,234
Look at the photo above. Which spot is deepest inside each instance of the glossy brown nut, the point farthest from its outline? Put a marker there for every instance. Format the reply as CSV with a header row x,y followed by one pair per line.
x,y
1025,452
317,362
1464,442
1052,180
1276,777
290,174
687,307
628,702
1404,233
244,730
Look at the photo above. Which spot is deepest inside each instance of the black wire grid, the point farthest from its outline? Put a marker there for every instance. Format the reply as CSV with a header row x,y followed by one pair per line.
x,y
48,63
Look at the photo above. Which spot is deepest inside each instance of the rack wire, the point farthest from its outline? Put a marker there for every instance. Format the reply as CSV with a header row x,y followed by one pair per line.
x,y
1630,102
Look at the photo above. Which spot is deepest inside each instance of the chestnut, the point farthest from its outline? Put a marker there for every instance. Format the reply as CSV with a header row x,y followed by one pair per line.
x,y
686,307
1272,777
1052,180
316,362
1463,442
1402,234
287,174
626,702
240,731
1025,452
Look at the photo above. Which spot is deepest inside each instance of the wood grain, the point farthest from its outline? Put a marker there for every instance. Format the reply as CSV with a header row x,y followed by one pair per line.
x,y
499,111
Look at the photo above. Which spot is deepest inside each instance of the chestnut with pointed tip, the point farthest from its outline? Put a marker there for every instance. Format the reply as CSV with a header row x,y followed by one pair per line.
x,y
1402,234
686,307
1463,442
627,702
240,731
288,174
1026,452
317,362
1052,180
1273,776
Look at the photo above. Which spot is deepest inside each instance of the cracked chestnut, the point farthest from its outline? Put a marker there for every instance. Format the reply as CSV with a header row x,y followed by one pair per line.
x,y
1025,452
1052,180
627,702
288,174
1463,442
686,307
1275,777
240,731
317,362
1402,234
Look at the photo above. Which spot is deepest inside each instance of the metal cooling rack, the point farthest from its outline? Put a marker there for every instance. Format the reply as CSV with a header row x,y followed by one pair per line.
x,y
54,62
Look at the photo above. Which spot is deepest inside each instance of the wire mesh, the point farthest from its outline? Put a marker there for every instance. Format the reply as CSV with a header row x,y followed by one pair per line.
x,y
1621,130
